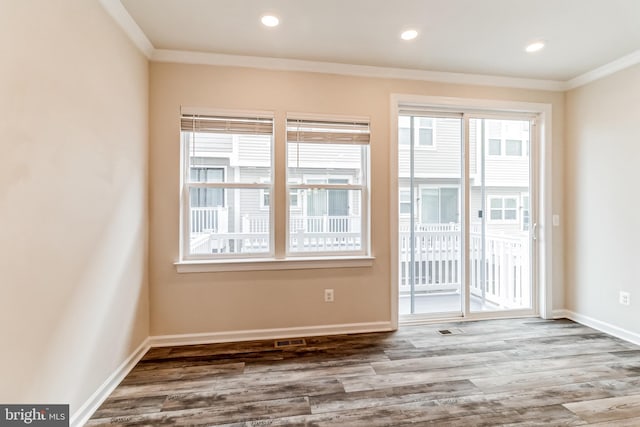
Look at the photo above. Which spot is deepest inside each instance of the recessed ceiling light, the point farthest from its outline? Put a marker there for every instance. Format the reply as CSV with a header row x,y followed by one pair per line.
x,y
270,20
534,47
409,35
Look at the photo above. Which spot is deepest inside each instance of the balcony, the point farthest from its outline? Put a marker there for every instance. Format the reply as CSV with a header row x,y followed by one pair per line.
x,y
499,267
498,280
210,233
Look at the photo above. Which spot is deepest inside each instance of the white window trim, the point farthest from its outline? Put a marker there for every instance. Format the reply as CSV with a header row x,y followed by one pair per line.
x,y
273,260
266,264
224,176
364,188
185,217
516,220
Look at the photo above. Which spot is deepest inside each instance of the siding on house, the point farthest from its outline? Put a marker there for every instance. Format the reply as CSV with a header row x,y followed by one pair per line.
x,y
247,158
339,156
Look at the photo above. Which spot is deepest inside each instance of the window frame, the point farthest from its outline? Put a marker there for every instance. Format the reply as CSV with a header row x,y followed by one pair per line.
x,y
422,187
186,185
407,191
504,138
503,209
363,187
417,145
223,168
277,258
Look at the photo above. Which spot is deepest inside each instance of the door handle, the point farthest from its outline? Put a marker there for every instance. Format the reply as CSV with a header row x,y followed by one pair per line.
x,y
534,231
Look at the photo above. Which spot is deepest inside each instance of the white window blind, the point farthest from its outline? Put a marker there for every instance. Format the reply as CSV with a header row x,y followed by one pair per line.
x,y
332,132
226,125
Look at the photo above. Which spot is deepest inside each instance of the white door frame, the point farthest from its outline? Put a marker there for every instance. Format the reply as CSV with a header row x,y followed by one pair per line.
x,y
541,178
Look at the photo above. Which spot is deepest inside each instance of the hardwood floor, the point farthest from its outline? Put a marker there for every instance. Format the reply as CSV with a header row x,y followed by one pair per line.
x,y
499,372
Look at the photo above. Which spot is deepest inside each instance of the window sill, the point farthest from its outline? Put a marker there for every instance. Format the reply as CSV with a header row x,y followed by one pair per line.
x,y
263,264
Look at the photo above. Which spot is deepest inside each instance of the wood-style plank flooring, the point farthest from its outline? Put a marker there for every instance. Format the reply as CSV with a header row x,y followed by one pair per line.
x,y
498,372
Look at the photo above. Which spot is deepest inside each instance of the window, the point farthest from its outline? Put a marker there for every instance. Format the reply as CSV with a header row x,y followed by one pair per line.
x,y
423,128
405,202
503,209
227,184
439,205
294,199
206,197
495,147
513,147
265,199
507,138
329,161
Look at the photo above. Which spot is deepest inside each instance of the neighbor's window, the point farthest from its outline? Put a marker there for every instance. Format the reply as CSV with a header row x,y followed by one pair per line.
x,y
405,202
513,147
227,183
507,138
423,128
439,205
327,170
503,209
495,147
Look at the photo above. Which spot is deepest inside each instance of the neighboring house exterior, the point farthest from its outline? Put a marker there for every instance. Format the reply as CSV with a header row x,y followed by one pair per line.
x,y
437,150
436,175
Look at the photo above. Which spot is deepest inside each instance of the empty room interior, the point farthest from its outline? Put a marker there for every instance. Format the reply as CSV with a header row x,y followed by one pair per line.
x,y
349,213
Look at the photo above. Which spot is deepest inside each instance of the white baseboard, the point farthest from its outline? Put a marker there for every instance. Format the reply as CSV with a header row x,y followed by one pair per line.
x,y
560,314
82,415
605,327
268,334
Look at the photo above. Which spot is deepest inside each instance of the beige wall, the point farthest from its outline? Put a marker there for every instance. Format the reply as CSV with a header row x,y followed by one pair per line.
x,y
601,172
73,200
214,302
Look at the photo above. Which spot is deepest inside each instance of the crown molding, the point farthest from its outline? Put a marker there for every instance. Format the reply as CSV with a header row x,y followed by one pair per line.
x,y
135,33
128,25
605,70
205,58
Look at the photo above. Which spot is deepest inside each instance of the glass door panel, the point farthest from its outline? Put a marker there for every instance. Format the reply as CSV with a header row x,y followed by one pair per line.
x,y
499,213
430,232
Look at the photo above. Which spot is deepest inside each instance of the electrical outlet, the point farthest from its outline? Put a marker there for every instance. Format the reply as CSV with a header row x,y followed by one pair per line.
x,y
625,298
328,295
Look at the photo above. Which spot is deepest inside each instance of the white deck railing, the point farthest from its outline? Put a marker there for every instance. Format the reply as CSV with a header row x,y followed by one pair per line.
x,y
209,220
503,278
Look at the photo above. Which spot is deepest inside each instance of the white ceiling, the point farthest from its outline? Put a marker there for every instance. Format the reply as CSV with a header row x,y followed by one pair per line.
x,y
461,36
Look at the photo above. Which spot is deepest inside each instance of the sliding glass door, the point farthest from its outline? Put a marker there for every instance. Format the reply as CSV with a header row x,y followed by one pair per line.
x,y
465,214
429,153
500,215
